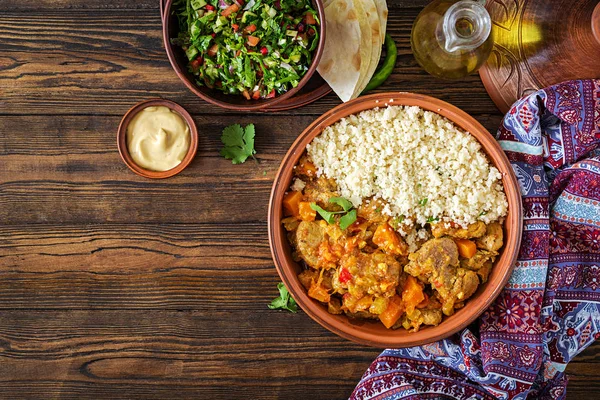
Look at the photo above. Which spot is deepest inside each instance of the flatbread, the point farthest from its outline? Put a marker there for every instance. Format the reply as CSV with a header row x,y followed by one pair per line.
x,y
382,12
370,23
342,58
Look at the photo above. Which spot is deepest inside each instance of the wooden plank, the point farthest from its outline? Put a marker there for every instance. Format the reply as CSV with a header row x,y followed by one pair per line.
x,y
146,266
67,170
103,61
157,354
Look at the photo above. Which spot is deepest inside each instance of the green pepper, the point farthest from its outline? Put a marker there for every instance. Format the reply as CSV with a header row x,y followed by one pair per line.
x,y
391,53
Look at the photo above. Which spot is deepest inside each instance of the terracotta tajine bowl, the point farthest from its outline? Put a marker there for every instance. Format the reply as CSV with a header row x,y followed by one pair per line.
x,y
122,139
373,333
179,62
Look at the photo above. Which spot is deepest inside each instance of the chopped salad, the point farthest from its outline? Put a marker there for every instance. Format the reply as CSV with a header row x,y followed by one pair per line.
x,y
258,49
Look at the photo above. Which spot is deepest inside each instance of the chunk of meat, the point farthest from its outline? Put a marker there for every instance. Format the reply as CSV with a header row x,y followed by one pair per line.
x,y
493,238
476,262
307,277
435,262
484,271
309,236
373,211
372,275
464,285
448,229
319,191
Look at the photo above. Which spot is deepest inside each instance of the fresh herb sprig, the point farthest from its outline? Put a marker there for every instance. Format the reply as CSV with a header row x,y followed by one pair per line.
x,y
284,301
238,143
349,214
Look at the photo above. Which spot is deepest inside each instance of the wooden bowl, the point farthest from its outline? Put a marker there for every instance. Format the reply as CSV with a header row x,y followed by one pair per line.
x,y
179,63
373,333
122,139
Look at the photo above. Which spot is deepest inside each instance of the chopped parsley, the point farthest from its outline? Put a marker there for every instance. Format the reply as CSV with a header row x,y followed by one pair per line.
x,y
432,219
422,202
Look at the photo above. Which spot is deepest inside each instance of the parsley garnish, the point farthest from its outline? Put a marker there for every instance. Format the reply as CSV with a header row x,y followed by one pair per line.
x,y
348,219
422,202
329,216
432,219
482,213
284,301
238,143
342,202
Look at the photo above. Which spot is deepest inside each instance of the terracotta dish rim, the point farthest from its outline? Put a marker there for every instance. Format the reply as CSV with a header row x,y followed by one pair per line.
x,y
122,139
238,102
374,333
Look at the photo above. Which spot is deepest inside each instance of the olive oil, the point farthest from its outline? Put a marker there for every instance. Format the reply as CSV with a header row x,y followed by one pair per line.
x,y
451,39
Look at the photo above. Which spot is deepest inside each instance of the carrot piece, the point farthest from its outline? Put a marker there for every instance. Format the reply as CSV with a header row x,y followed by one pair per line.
x,y
393,312
291,203
386,239
230,10
306,168
412,294
253,40
305,212
318,292
466,248
256,95
246,94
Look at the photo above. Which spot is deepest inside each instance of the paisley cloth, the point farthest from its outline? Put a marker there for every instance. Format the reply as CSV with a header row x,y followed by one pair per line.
x,y
550,309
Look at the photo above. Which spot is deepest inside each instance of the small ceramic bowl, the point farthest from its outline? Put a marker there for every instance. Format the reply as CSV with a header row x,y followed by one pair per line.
x,y
122,139
179,62
373,333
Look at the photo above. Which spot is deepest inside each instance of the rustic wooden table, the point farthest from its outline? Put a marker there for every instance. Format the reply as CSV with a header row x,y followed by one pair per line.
x,y
115,286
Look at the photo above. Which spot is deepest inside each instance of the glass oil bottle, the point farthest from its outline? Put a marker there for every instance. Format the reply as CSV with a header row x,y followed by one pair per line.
x,y
451,39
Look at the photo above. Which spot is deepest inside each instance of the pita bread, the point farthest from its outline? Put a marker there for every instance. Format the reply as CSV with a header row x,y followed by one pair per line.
x,y
370,23
382,12
342,59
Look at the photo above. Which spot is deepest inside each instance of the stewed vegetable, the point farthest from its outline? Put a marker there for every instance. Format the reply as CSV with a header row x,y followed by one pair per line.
x,y
258,49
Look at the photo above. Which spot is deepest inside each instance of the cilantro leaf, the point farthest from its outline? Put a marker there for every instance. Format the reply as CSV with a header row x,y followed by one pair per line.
x,y
238,143
328,216
284,301
342,202
348,219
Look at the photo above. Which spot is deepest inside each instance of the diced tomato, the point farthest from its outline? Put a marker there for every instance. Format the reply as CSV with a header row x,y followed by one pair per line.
x,y
300,28
230,10
277,4
235,27
259,73
210,8
271,95
311,32
246,94
213,35
345,275
310,19
264,51
253,40
240,3
197,63
250,28
213,50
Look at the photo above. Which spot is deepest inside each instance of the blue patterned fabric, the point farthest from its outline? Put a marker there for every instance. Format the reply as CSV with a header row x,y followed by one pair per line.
x,y
549,311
